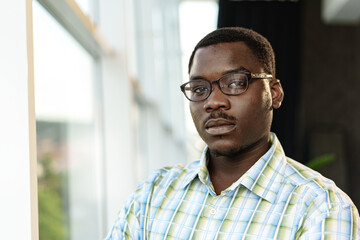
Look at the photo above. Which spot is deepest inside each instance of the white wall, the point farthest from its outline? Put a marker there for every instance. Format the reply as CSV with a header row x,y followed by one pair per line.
x,y
18,187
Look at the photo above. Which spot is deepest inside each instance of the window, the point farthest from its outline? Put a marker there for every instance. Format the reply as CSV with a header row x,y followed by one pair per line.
x,y
69,177
91,149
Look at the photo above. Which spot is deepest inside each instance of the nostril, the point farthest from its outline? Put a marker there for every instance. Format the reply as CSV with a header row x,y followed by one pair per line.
x,y
216,100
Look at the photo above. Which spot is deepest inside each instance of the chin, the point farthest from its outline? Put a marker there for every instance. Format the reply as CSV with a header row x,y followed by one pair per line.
x,y
227,149
231,147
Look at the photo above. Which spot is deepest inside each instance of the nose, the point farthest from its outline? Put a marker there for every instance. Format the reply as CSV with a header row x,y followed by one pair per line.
x,y
216,100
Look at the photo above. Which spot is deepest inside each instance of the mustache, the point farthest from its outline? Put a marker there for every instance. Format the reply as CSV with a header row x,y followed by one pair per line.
x,y
223,115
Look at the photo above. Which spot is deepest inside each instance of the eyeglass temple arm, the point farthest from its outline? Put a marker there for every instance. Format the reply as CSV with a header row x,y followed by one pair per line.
x,y
261,75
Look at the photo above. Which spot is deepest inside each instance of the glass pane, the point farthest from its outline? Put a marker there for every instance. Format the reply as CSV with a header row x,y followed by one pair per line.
x,y
87,6
68,169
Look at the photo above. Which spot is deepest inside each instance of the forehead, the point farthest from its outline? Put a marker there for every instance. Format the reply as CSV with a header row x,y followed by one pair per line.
x,y
216,60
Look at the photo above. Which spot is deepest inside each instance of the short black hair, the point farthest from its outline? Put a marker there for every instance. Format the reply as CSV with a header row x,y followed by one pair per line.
x,y
257,43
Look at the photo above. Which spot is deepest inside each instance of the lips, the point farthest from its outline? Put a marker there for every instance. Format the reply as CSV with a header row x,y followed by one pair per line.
x,y
219,126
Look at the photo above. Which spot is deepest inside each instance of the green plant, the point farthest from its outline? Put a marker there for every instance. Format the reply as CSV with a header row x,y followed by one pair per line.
x,y
52,217
321,161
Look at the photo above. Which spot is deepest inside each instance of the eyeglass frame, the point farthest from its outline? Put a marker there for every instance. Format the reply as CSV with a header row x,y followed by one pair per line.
x,y
249,75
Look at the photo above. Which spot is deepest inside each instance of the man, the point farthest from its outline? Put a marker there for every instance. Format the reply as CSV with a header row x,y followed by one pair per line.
x,y
244,187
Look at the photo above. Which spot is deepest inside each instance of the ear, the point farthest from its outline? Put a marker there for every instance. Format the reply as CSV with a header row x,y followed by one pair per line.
x,y
277,93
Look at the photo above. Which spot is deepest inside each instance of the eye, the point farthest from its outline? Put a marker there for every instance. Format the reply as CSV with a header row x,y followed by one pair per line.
x,y
237,83
199,89
196,89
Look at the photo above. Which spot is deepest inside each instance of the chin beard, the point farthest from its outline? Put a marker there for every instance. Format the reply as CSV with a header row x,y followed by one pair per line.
x,y
233,152
230,152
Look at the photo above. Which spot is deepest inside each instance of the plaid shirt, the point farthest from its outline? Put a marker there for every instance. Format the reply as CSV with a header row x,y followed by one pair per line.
x,y
277,198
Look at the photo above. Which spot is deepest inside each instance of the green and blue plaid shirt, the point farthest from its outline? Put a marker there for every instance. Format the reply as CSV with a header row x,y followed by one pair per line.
x,y
277,198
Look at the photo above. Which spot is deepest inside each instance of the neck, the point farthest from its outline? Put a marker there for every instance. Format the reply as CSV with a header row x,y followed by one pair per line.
x,y
225,170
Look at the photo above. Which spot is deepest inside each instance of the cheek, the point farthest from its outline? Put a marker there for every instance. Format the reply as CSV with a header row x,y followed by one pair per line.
x,y
256,108
194,110
264,110
262,101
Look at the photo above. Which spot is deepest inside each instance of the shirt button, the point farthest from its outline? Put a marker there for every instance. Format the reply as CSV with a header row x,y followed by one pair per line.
x,y
212,211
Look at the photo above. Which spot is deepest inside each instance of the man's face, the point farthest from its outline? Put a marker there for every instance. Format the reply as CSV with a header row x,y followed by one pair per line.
x,y
230,124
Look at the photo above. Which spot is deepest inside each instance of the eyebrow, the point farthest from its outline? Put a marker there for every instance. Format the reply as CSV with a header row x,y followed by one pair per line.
x,y
239,69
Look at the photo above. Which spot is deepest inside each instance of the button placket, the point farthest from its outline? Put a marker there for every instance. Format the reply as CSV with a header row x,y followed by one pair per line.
x,y
215,205
213,211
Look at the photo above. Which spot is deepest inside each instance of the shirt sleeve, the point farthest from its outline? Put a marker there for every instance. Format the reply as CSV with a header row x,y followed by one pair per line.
x,y
338,222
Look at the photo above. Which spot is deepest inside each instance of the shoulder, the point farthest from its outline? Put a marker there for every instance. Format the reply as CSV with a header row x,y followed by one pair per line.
x,y
165,174
327,209
174,176
315,186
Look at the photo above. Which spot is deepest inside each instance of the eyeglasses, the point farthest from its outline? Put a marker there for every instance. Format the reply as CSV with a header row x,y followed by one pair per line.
x,y
234,83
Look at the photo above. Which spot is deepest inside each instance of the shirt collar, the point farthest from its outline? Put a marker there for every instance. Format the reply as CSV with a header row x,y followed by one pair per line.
x,y
263,178
198,168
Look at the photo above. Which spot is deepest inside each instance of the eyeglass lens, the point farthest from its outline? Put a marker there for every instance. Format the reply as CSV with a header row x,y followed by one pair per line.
x,y
231,84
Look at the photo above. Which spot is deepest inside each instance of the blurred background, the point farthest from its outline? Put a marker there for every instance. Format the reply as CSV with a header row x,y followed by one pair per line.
x,y
109,108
